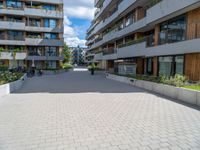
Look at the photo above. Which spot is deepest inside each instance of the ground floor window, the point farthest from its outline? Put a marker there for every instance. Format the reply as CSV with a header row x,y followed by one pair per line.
x,y
51,64
171,65
149,66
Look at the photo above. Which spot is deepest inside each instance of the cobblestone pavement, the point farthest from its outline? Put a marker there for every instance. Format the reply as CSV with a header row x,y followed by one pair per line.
x,y
76,111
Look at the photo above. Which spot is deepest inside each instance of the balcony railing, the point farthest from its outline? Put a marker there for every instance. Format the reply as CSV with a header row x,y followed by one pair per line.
x,y
109,51
132,42
152,3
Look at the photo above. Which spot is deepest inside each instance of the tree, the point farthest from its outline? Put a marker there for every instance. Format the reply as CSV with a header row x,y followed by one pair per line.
x,y
66,54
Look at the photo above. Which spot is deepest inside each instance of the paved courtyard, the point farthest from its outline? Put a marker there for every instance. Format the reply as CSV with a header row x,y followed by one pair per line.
x,y
76,111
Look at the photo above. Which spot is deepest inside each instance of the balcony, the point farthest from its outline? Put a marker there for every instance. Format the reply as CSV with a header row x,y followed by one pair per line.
x,y
98,56
44,42
50,1
44,29
133,49
189,46
109,54
124,5
42,58
105,4
9,56
11,40
12,11
165,8
43,13
9,25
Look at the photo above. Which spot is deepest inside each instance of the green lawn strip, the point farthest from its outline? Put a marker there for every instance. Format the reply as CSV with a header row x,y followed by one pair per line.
x,y
192,87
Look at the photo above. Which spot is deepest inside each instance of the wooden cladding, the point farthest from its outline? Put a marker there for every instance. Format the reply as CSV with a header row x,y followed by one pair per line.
x,y
155,66
193,27
192,66
140,66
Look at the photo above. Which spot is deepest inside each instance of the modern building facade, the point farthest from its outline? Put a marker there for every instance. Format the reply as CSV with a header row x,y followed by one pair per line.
x,y
31,33
78,55
151,37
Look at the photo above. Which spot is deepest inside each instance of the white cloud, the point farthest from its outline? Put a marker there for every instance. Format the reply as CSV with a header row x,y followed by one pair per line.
x,y
80,12
75,41
81,9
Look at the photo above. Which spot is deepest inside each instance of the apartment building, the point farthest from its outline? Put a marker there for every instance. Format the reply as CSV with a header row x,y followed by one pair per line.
x,y
147,37
77,55
31,33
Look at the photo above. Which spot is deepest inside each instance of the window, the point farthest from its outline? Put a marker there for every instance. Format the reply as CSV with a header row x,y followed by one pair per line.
x,y
179,65
13,4
11,48
35,51
1,4
173,30
34,22
128,20
49,7
50,23
15,35
150,66
171,65
50,51
33,35
51,64
14,19
50,36
120,25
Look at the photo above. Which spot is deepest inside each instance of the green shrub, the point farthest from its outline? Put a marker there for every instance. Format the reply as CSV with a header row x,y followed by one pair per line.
x,y
67,66
8,77
177,80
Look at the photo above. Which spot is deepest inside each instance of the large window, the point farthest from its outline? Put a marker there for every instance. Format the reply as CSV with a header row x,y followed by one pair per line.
x,y
173,30
171,65
35,51
13,4
15,35
50,23
50,51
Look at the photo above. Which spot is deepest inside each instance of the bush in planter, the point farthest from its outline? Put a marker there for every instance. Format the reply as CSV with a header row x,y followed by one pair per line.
x,y
177,80
8,77
67,66
93,66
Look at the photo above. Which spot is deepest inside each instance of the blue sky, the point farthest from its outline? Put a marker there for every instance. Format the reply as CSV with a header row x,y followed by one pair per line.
x,y
78,15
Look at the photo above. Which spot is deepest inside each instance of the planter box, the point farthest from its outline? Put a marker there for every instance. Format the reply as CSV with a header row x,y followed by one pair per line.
x,y
185,95
11,87
198,98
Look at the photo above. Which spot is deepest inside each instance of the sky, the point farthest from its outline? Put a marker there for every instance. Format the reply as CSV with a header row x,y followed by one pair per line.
x,y
78,15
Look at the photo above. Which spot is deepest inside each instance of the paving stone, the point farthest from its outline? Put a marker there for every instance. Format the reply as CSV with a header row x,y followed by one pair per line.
x,y
74,110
